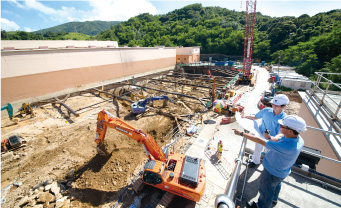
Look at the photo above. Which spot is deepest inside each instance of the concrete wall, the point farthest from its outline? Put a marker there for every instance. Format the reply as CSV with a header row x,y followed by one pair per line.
x,y
185,59
296,84
317,140
28,74
188,54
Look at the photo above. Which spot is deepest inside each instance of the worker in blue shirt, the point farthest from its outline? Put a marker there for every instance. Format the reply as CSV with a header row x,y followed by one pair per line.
x,y
277,163
270,126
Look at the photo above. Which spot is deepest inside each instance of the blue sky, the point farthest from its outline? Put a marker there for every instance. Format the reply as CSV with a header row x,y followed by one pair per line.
x,y
32,15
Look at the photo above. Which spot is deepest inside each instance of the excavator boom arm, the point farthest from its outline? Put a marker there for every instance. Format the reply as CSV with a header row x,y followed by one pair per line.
x,y
148,99
106,119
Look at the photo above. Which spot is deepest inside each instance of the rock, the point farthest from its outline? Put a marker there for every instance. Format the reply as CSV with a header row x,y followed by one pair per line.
x,y
47,182
71,173
7,156
36,191
55,189
51,205
48,187
32,201
37,186
46,197
63,202
30,192
120,169
23,201
60,202
38,206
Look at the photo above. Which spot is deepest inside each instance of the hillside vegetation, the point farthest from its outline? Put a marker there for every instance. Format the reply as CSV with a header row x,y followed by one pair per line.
x,y
307,43
88,27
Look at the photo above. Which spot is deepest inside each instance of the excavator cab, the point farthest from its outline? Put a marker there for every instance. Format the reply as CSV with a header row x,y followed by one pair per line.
x,y
151,178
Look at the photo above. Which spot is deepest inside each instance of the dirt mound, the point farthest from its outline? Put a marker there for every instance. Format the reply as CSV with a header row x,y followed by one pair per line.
x,y
293,95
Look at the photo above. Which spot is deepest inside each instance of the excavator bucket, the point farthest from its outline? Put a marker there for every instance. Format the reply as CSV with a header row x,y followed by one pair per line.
x,y
102,149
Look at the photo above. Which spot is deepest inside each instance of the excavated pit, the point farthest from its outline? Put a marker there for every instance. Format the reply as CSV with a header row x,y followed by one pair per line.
x,y
60,148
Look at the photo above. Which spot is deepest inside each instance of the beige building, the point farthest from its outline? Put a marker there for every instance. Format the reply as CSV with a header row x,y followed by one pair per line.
x,y
31,70
188,55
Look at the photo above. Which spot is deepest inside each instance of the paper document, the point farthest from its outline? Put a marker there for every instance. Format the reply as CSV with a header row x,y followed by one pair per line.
x,y
251,125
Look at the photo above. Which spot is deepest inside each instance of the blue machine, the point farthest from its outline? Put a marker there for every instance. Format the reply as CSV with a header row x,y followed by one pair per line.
x,y
140,106
219,63
9,109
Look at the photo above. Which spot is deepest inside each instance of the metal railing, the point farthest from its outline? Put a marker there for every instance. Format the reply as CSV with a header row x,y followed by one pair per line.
x,y
326,94
226,200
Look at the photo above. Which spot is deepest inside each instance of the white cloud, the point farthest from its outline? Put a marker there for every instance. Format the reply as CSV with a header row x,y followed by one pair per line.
x,y
9,25
119,10
106,10
26,29
65,14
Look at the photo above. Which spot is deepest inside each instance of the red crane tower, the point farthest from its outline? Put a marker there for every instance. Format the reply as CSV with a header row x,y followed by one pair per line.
x,y
248,43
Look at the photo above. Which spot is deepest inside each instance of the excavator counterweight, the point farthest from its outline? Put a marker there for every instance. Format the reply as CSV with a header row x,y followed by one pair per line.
x,y
176,173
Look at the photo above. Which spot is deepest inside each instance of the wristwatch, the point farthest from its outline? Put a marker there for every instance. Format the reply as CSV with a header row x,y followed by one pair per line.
x,y
241,133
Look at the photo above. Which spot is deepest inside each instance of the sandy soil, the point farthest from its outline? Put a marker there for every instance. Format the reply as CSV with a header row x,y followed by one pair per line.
x,y
60,147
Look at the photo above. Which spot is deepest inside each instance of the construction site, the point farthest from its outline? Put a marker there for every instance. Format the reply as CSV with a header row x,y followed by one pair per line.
x,y
59,149
91,124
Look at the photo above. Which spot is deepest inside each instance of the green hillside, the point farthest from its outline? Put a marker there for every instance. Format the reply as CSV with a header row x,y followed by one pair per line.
x,y
307,43
88,27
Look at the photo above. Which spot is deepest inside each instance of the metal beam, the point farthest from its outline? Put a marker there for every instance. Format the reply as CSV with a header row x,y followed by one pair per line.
x,y
119,97
174,93
67,107
163,80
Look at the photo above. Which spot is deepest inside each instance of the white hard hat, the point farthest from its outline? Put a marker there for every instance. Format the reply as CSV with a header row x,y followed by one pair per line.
x,y
293,122
280,100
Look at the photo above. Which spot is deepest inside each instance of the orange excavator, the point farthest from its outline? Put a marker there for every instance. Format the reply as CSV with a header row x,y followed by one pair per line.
x,y
176,173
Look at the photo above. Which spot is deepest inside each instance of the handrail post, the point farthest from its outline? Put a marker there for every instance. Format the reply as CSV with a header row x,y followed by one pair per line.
x,y
337,110
325,92
226,200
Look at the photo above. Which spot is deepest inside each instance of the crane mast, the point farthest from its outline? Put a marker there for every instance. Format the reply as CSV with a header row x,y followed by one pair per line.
x,y
249,30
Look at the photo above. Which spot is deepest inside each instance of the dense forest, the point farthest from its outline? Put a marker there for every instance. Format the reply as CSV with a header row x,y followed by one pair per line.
x,y
307,43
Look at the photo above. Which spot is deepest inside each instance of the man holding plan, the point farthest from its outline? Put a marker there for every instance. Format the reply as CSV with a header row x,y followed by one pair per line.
x,y
270,128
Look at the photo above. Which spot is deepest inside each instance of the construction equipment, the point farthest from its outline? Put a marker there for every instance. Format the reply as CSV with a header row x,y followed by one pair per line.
x,y
9,109
140,106
246,75
10,143
176,173
26,109
133,95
